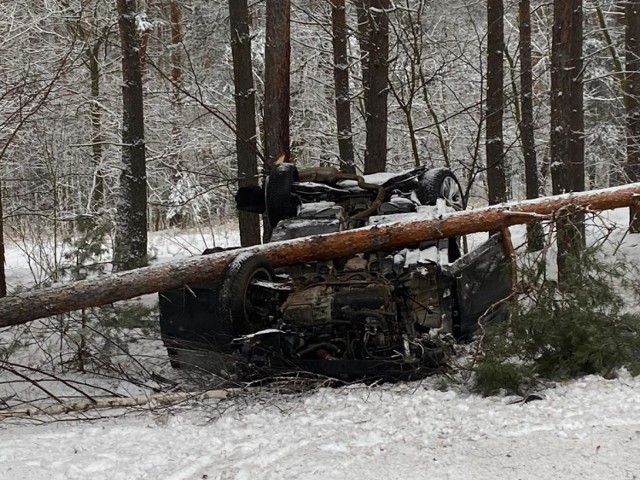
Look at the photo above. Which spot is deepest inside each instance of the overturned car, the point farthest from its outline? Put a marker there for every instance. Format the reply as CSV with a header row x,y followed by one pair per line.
x,y
374,315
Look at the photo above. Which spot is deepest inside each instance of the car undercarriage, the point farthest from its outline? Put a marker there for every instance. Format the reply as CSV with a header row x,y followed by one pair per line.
x,y
381,314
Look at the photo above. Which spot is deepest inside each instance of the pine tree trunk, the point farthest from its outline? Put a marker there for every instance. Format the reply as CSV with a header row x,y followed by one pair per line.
x,y
496,180
341,79
276,96
375,158
130,243
632,101
567,144
175,14
176,52
576,150
362,11
535,238
249,223
96,127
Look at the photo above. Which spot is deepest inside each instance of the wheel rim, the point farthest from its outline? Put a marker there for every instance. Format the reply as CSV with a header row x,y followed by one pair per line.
x,y
259,274
452,194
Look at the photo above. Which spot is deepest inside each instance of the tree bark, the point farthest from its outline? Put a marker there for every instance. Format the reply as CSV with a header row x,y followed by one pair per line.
x,y
245,98
341,80
576,118
175,14
36,304
3,278
362,11
130,243
496,179
95,113
567,122
276,95
375,158
632,100
535,234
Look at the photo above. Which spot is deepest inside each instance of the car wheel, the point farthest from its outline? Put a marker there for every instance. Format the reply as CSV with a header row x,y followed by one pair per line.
x,y
237,305
278,199
441,183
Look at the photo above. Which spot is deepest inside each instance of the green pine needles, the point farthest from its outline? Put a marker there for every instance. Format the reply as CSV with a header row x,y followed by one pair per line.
x,y
561,331
96,336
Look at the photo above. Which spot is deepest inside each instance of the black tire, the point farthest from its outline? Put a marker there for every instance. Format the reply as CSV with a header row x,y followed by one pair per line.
x,y
235,298
441,183
279,202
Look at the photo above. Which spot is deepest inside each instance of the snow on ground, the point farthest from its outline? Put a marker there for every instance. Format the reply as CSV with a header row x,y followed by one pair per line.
x,y
24,259
587,429
170,244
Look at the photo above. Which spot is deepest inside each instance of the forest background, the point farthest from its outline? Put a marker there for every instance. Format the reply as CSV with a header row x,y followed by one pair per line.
x,y
449,98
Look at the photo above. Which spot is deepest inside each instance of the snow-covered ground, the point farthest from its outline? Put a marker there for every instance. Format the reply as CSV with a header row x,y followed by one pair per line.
x,y
587,429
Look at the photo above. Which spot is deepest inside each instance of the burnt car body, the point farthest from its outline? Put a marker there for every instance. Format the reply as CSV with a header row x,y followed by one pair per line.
x,y
371,315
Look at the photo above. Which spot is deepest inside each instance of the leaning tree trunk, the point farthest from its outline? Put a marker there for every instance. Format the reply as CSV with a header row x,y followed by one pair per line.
x,y
276,78
245,98
496,179
130,243
375,158
535,239
341,79
632,100
29,306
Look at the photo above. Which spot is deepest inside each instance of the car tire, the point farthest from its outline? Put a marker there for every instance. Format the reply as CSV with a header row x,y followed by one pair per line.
x,y
235,301
441,183
279,202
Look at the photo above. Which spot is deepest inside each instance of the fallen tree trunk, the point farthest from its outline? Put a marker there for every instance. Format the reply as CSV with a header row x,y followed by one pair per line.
x,y
149,401
36,304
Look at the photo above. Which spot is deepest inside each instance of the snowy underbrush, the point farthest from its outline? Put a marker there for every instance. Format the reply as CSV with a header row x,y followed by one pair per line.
x,y
586,323
112,351
42,259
